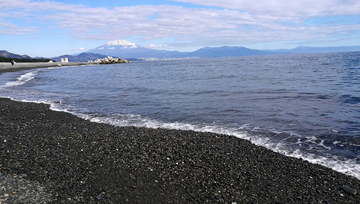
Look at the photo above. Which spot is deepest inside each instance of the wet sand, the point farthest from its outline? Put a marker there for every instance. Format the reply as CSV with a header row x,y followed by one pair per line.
x,y
56,157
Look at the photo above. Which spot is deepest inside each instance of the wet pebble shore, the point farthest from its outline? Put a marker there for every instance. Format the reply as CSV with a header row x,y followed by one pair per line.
x,y
56,157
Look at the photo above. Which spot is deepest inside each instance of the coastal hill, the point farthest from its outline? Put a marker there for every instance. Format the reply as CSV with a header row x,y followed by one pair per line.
x,y
83,57
227,51
6,54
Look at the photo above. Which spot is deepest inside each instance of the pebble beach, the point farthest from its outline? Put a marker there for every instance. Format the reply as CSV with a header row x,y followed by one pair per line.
x,y
55,157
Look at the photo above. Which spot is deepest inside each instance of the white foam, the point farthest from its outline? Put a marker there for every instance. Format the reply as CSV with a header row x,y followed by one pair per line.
x,y
349,167
21,80
336,142
315,141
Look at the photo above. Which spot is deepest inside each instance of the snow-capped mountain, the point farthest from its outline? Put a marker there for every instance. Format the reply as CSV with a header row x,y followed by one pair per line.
x,y
116,44
125,49
122,43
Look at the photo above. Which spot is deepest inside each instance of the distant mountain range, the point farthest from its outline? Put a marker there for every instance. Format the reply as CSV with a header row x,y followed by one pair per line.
x,y
122,48
308,49
133,52
6,56
130,50
4,53
227,51
85,57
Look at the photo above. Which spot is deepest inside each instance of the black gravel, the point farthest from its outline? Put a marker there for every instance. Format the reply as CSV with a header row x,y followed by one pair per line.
x,y
71,160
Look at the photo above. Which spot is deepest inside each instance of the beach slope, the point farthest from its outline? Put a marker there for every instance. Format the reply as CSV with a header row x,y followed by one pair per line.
x,y
7,67
71,160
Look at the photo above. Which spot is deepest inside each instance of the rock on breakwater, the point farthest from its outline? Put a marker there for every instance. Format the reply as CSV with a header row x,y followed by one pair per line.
x,y
111,60
81,161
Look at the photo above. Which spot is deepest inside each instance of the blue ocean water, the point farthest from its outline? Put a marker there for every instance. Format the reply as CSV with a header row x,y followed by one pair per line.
x,y
303,105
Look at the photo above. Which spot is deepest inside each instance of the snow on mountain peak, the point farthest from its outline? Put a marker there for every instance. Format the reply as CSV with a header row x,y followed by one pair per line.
x,y
121,43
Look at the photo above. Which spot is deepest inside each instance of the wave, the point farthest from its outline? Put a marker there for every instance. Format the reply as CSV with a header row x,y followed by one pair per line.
x,y
350,99
21,80
59,103
344,165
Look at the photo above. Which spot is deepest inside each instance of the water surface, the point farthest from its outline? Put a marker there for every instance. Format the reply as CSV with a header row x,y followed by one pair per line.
x,y
304,105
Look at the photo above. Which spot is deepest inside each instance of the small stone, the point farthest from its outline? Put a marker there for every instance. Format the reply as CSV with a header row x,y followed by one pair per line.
x,y
350,190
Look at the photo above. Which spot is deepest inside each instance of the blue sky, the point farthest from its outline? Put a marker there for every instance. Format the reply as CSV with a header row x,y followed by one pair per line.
x,y
56,27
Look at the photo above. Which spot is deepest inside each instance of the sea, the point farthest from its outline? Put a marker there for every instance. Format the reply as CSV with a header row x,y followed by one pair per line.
x,y
300,105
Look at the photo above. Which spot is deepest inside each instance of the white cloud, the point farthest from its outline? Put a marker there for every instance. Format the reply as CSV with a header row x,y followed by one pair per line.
x,y
246,22
11,29
158,46
298,8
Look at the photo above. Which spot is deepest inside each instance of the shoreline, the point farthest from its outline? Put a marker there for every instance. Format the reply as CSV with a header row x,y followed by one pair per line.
x,y
7,67
75,160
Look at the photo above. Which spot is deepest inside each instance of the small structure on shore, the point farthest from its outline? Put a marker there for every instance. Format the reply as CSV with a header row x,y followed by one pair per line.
x,y
64,60
111,60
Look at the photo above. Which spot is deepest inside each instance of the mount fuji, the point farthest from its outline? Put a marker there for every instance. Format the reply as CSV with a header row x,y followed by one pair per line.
x,y
125,49
122,43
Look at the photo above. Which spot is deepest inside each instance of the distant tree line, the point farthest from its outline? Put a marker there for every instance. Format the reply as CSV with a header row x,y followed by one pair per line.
x,y
5,59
